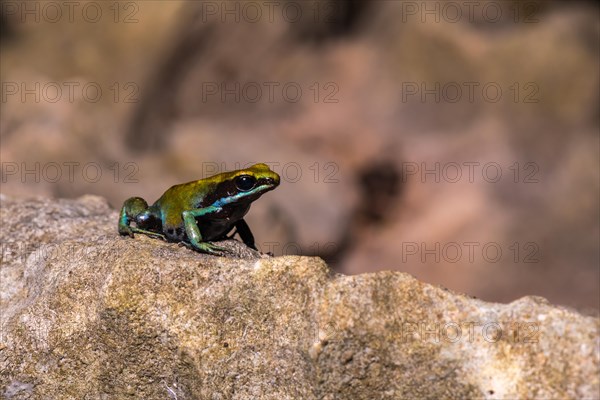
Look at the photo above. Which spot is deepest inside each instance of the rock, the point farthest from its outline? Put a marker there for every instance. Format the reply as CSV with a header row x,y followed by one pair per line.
x,y
86,312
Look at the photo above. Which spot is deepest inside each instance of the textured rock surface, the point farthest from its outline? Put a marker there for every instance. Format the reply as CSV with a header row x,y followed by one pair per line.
x,y
88,314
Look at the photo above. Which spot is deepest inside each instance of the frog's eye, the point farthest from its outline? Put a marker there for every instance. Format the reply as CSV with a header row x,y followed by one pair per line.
x,y
245,182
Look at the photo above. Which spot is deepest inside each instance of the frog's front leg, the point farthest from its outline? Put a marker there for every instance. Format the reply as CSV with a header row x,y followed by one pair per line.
x,y
245,233
193,232
135,209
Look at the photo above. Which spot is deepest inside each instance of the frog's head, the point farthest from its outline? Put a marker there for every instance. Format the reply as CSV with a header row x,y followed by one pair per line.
x,y
245,185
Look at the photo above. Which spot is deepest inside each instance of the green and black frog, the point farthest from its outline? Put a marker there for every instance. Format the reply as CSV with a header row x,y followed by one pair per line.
x,y
202,211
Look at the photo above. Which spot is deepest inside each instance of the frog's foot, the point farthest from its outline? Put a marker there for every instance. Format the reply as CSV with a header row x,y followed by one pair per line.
x,y
146,232
206,247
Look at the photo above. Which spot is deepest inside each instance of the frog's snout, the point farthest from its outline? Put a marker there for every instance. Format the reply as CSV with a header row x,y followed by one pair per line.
x,y
272,180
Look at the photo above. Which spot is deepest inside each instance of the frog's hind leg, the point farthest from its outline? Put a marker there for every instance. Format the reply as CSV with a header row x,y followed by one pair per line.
x,y
130,210
135,209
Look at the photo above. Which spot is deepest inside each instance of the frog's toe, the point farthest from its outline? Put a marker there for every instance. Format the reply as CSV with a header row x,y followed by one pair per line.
x,y
149,233
209,248
216,250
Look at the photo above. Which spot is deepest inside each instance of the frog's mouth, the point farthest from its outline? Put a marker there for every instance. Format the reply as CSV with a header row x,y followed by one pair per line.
x,y
247,196
268,183
264,185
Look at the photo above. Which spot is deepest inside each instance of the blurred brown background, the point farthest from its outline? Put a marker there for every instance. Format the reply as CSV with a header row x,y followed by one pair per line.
x,y
457,142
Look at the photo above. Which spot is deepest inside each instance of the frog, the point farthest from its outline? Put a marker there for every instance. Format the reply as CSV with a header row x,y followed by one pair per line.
x,y
199,212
